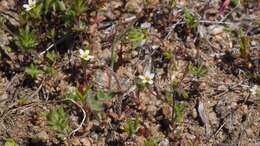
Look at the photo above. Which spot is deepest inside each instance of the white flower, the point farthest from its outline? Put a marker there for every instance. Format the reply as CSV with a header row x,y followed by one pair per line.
x,y
31,4
254,90
84,54
147,77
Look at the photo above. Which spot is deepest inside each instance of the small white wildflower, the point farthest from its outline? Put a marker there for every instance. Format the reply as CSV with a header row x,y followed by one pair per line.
x,y
164,142
254,90
31,4
147,77
84,54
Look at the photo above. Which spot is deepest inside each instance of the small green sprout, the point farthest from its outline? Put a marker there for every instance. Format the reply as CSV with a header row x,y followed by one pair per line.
x,y
151,142
52,56
78,7
33,71
54,5
58,120
235,2
50,70
179,112
26,39
244,44
190,19
10,142
198,72
136,36
36,11
132,126
94,100
2,21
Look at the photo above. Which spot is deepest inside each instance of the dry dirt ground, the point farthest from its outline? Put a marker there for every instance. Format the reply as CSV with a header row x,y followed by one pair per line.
x,y
183,106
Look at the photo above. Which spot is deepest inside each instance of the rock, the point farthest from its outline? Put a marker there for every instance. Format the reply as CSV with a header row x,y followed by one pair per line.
x,y
139,140
86,141
215,29
42,136
134,6
75,141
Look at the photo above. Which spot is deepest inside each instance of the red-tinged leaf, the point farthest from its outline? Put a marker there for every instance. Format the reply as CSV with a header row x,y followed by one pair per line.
x,y
223,7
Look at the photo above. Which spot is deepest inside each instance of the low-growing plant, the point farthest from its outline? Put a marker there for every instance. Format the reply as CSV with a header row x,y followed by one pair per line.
x,y
94,100
151,142
135,36
33,71
58,120
52,56
36,11
50,70
78,7
26,39
190,19
179,112
10,142
132,126
244,45
2,21
197,71
54,5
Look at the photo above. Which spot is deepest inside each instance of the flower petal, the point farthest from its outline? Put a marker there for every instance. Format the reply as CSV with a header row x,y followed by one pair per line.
x,y
141,77
81,51
151,75
150,81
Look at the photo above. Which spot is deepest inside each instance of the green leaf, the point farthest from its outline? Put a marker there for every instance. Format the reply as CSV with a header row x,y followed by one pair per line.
x,y
26,39
190,19
10,142
244,44
33,71
151,142
179,112
132,125
58,120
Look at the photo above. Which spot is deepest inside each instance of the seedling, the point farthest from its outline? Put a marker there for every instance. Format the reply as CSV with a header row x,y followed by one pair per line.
x,y
244,45
235,2
94,100
132,126
10,142
151,142
78,7
58,120
54,5
190,19
36,11
26,39
52,56
197,71
136,36
179,112
33,71
2,21
50,70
